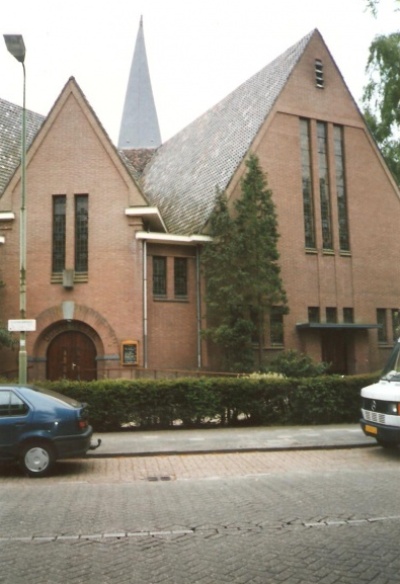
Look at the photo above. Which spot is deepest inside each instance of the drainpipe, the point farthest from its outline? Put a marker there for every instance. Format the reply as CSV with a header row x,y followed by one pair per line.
x,y
145,304
198,307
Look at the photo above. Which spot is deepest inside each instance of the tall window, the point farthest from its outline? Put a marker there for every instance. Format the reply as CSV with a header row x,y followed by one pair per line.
x,y
324,188
180,277
276,325
381,320
308,206
344,242
59,234
159,276
81,233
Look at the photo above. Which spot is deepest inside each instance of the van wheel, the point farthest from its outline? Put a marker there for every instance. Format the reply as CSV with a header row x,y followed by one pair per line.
x,y
386,444
37,459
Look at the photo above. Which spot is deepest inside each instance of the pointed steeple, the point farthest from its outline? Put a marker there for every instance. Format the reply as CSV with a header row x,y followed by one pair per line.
x,y
139,125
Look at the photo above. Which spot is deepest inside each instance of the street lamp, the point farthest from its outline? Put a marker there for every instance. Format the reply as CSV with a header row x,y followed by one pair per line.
x,y
15,45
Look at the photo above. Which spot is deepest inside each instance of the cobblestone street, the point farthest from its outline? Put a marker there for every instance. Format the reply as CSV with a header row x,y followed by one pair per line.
x,y
294,517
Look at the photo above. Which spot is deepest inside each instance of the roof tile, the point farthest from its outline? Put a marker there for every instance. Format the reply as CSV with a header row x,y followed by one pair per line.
x,y
182,177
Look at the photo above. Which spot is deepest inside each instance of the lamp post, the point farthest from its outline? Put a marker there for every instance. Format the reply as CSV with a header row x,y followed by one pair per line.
x,y
15,45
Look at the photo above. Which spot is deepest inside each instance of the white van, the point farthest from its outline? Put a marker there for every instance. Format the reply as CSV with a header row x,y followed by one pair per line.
x,y
380,404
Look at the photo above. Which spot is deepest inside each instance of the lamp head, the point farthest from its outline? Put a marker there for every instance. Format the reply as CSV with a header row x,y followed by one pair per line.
x,y
16,46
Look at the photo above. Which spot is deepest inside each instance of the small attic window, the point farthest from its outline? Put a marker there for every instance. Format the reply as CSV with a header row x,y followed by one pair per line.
x,y
319,74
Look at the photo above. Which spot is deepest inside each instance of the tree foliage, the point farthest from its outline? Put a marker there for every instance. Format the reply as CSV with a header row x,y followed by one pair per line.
x,y
241,270
382,94
6,339
373,5
381,98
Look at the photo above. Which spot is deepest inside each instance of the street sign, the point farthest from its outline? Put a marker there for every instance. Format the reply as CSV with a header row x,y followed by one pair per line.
x,y
22,325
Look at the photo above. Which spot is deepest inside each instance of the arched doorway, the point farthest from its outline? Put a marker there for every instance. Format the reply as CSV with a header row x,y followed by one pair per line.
x,y
71,355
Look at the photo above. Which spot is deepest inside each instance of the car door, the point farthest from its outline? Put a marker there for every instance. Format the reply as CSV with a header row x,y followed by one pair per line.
x,y
14,416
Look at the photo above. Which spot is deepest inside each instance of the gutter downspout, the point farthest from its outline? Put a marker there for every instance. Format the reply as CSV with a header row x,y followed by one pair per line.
x,y
145,348
198,307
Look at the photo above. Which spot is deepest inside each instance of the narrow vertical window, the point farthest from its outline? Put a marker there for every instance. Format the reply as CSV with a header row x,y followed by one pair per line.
x,y
59,233
306,177
81,233
324,188
180,277
159,276
276,325
344,241
381,321
319,74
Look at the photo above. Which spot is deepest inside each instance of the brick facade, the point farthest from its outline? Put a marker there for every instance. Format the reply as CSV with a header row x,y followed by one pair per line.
x,y
115,301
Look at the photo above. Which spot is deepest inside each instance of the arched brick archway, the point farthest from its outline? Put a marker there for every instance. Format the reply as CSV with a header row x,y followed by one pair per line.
x,y
71,355
52,322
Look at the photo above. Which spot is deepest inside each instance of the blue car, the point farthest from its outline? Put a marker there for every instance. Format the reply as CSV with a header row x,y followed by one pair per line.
x,y
39,426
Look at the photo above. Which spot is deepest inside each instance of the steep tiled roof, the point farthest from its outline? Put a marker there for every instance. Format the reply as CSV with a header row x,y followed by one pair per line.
x,y
10,132
183,175
138,159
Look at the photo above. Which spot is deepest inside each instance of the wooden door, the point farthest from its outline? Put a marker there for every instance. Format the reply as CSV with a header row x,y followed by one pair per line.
x,y
71,355
335,351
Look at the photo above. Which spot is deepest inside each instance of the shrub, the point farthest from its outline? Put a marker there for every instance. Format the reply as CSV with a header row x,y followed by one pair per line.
x,y
294,364
262,400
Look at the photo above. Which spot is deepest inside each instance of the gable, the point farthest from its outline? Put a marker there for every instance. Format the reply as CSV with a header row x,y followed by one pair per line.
x,y
330,100
73,153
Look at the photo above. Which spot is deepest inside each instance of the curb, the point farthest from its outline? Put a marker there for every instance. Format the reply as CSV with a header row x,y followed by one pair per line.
x,y
226,450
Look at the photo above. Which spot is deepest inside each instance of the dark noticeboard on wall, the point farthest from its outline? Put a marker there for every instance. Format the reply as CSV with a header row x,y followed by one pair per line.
x,y
129,353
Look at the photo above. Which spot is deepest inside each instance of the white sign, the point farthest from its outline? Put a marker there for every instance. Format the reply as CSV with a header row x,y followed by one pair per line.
x,y
22,325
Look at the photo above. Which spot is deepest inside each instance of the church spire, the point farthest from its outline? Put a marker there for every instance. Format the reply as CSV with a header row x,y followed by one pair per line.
x,y
139,124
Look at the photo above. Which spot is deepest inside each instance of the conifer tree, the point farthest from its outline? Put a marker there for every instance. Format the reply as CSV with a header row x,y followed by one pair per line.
x,y
241,270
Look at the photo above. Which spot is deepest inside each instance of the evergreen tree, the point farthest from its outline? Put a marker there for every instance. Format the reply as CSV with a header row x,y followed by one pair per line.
x,y
6,339
242,274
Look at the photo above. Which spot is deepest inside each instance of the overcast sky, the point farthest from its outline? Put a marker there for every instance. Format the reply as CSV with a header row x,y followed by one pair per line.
x,y
198,51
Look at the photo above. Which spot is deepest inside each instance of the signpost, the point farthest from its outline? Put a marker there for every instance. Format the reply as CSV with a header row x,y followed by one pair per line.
x,y
22,325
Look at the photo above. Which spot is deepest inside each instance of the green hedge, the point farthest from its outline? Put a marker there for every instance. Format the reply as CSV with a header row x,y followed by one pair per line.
x,y
193,402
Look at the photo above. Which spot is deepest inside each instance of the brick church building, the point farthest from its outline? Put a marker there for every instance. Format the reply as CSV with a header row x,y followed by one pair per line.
x,y
115,234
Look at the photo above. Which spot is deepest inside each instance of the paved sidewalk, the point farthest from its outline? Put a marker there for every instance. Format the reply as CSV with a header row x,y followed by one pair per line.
x,y
148,443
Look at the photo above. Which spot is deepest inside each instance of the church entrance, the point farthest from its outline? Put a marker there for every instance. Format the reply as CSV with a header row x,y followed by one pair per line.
x,y
71,355
335,351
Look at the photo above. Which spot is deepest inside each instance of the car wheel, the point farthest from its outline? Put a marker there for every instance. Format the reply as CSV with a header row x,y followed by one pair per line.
x,y
37,459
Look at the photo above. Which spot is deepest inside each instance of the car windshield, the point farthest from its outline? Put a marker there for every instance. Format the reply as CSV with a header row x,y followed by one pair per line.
x,y
391,371
64,398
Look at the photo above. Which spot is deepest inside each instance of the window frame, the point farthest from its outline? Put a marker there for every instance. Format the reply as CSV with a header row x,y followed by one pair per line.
x,y
324,186
181,277
59,233
307,184
9,411
276,326
314,314
81,252
348,314
331,314
341,190
381,319
159,276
